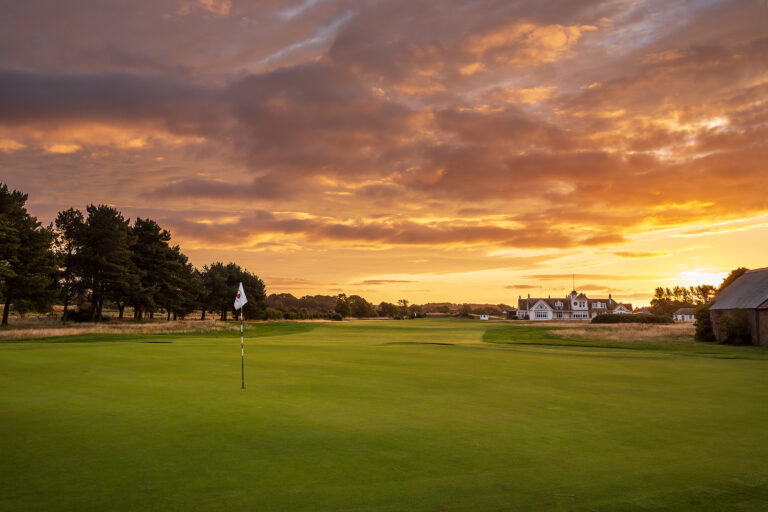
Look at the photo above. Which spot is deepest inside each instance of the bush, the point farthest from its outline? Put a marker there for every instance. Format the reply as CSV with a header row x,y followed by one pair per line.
x,y
610,318
274,314
336,316
704,330
78,315
735,327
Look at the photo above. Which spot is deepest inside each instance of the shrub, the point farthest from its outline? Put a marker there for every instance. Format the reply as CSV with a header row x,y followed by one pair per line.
x,y
274,314
610,318
336,316
735,327
704,330
78,315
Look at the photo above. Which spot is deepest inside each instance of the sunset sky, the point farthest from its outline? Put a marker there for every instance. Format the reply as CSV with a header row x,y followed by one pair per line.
x,y
435,151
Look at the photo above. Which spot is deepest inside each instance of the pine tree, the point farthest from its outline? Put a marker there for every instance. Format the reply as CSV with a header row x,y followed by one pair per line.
x,y
27,262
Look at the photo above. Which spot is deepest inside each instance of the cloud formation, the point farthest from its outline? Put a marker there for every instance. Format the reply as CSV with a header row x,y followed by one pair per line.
x,y
323,124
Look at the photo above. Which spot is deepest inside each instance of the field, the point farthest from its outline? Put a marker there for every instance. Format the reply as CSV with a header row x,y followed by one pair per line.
x,y
424,415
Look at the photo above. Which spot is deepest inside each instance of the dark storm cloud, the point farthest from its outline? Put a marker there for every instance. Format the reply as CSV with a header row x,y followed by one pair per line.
x,y
29,98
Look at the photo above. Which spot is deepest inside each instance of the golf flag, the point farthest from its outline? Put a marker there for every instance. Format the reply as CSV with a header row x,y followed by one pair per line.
x,y
240,299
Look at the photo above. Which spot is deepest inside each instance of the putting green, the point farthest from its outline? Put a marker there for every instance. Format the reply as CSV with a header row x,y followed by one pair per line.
x,y
426,415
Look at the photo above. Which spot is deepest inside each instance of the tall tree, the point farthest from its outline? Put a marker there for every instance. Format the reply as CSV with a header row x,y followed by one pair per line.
x,y
734,275
106,265
215,281
68,243
221,283
27,262
151,256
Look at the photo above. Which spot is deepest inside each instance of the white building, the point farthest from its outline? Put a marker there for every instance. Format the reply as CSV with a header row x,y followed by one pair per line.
x,y
684,315
575,306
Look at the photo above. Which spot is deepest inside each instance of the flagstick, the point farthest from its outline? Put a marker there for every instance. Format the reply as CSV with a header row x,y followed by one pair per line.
x,y
242,350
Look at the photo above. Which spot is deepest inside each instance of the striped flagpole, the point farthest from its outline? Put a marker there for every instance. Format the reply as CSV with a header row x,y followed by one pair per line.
x,y
242,350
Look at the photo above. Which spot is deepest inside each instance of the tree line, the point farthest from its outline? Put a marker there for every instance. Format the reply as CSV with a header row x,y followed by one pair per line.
x,y
668,300
85,260
286,306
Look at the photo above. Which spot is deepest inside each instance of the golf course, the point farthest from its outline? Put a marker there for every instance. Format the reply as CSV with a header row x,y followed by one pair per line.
x,y
417,415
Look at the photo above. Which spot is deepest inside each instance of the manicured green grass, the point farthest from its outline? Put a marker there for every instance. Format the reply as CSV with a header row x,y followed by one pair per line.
x,y
424,415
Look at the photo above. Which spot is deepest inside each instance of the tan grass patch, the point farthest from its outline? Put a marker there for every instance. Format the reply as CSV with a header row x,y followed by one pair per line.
x,y
629,332
43,329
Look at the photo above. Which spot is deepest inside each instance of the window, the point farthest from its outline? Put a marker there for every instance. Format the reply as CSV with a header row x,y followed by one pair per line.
x,y
541,314
558,304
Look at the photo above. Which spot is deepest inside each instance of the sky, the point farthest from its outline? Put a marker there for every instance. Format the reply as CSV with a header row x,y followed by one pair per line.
x,y
462,151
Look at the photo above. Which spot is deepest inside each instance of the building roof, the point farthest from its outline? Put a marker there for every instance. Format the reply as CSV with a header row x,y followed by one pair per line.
x,y
685,311
748,291
566,306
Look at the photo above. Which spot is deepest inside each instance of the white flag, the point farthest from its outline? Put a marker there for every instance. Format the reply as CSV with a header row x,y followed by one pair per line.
x,y
240,299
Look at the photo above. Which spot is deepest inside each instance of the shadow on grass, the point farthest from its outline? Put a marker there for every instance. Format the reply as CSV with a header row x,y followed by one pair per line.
x,y
416,343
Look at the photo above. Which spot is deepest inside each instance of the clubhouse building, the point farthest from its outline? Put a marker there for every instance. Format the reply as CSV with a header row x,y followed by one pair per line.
x,y
575,306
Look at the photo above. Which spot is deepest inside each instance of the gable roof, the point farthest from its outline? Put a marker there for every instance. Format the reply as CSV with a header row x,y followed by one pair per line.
x,y
566,306
685,311
747,292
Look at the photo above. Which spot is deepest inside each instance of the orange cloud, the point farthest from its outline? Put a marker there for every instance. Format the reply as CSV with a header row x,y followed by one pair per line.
x,y
527,44
62,149
10,145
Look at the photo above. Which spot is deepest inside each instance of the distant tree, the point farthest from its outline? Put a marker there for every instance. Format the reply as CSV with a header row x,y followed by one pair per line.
x,y
735,274
704,293
403,305
318,303
388,309
416,311
359,307
704,330
342,305
27,261
465,310
283,302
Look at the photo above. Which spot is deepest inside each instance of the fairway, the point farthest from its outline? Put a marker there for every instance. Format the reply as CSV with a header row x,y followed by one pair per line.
x,y
424,415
